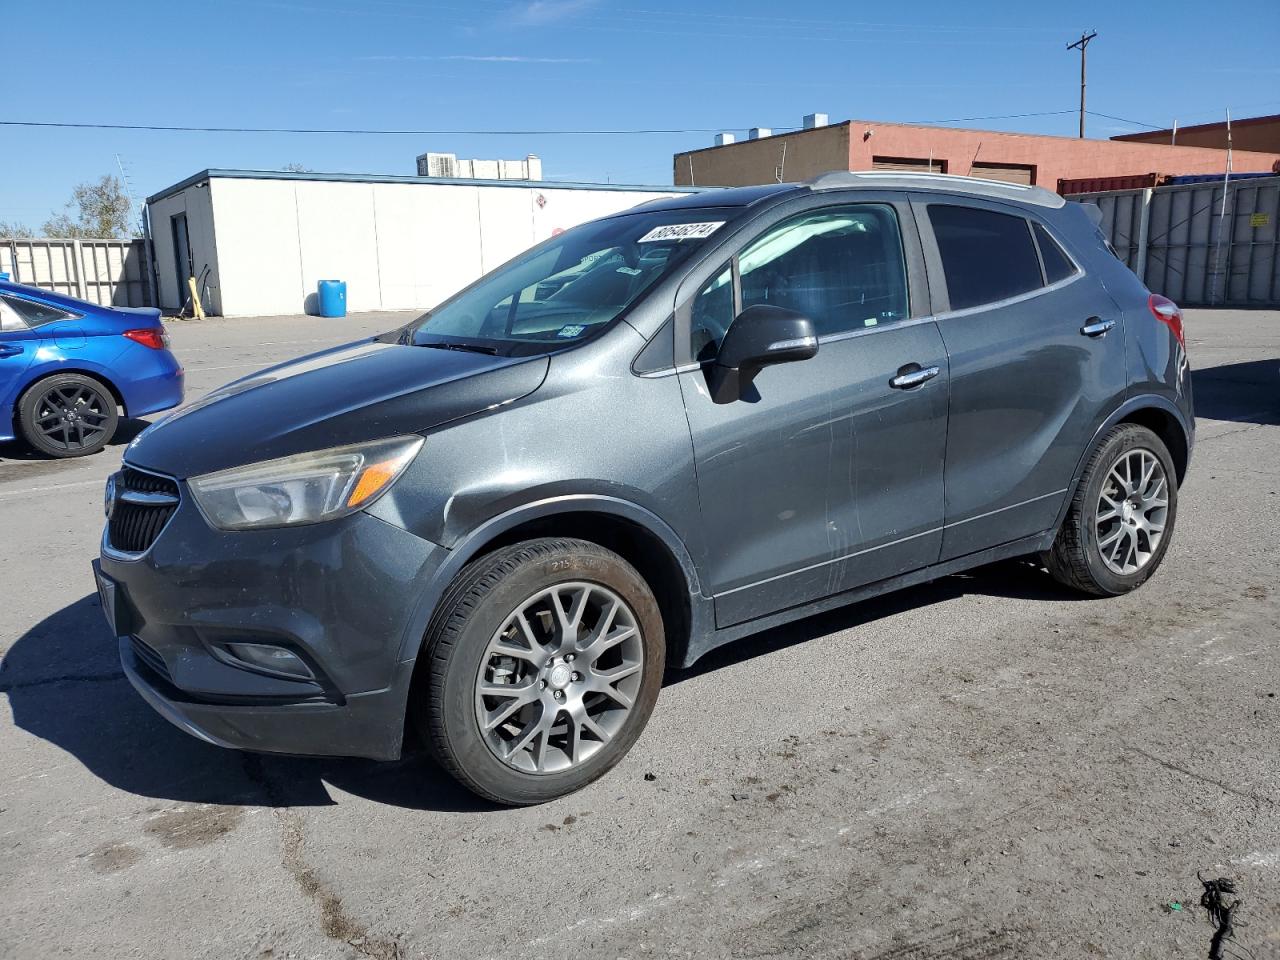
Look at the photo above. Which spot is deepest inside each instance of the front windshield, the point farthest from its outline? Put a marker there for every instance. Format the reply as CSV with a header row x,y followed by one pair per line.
x,y
571,287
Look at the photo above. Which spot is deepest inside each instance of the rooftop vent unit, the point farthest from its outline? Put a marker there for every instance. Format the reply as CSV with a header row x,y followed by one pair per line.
x,y
814,120
759,133
724,139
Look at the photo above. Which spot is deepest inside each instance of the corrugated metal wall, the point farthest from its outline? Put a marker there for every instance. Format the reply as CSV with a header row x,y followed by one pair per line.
x,y
105,272
1183,244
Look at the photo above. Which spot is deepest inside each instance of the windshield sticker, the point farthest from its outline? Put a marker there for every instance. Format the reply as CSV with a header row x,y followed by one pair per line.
x,y
571,330
682,231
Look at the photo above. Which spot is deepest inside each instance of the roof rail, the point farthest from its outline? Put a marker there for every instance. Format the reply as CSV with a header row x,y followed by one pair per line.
x,y
973,186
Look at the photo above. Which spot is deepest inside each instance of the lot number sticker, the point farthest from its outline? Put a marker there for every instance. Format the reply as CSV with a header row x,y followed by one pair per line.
x,y
682,231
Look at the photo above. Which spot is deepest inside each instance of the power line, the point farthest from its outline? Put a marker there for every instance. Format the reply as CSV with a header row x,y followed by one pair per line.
x,y
168,128
1136,123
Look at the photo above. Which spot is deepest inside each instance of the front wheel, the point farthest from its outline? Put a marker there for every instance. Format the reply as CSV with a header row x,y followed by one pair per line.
x,y
68,415
542,667
1120,521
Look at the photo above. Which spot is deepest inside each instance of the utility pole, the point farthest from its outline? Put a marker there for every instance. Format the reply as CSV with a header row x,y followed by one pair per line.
x,y
1080,45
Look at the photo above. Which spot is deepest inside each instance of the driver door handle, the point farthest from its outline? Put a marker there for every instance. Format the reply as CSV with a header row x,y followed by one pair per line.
x,y
1096,327
9,350
908,378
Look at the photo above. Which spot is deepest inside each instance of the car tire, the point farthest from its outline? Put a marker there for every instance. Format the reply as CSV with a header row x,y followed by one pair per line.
x,y
1106,555
68,415
494,630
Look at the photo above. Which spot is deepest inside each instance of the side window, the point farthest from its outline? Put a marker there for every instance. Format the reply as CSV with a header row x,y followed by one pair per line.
x,y
843,268
986,256
33,314
1057,265
9,319
712,314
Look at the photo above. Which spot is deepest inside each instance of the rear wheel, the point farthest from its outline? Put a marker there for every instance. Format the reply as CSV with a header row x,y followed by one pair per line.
x,y
543,665
1121,518
68,415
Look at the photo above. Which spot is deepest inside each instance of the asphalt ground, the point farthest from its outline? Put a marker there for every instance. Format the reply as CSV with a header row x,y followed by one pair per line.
x,y
987,766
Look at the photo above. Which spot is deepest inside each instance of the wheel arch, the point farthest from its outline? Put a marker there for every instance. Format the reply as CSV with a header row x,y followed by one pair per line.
x,y
636,534
1158,415
35,375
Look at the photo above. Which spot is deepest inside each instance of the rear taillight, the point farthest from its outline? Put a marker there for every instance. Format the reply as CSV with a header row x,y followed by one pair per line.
x,y
150,337
1167,312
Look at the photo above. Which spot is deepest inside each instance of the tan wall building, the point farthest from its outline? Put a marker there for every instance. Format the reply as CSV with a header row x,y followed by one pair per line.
x,y
1015,157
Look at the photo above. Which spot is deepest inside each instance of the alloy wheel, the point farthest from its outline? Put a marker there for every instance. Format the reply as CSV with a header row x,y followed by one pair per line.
x,y
559,678
74,416
1132,511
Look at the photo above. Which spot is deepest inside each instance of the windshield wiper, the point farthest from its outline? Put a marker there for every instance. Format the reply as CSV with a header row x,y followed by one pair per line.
x,y
465,347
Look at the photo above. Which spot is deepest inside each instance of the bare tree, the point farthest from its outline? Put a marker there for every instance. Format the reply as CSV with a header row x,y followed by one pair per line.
x,y
101,209
296,168
15,230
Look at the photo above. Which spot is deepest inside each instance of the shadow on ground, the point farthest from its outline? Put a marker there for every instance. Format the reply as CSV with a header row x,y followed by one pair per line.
x,y
126,430
64,685
1239,392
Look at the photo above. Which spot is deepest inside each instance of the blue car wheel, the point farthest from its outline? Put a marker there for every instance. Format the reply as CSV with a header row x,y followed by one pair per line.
x,y
68,415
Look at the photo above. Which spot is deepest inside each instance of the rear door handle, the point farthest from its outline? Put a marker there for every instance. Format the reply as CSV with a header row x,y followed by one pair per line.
x,y
912,375
9,350
1096,327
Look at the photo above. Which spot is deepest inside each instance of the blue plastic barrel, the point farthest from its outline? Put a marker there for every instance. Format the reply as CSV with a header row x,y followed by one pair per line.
x,y
332,297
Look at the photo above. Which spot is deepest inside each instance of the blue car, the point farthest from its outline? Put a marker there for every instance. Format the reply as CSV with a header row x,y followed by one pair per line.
x,y
69,370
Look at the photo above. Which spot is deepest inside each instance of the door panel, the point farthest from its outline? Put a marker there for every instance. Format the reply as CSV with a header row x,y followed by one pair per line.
x,y
17,351
1028,391
831,479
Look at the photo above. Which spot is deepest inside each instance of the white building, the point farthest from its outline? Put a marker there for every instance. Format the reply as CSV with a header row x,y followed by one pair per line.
x,y
262,240
450,166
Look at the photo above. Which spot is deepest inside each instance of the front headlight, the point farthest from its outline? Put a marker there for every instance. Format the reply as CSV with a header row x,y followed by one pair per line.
x,y
306,488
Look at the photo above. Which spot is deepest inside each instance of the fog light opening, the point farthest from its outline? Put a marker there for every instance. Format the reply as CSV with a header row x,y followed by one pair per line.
x,y
268,658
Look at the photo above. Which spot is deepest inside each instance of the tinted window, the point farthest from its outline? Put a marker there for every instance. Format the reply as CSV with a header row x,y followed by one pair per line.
x,y
34,314
1057,265
986,256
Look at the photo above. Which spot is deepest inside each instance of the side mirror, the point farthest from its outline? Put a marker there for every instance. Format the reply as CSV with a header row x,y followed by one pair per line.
x,y
759,336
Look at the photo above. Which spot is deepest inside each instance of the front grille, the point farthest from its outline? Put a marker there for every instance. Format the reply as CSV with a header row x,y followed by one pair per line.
x,y
150,659
135,524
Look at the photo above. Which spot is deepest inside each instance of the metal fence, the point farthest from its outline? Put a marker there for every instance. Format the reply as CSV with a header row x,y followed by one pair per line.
x,y
106,272
1186,244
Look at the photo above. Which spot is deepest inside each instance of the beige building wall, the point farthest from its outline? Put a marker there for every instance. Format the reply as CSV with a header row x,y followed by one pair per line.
x,y
800,155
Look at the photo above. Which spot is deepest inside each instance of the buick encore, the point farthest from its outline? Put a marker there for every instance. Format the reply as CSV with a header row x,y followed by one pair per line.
x,y
651,435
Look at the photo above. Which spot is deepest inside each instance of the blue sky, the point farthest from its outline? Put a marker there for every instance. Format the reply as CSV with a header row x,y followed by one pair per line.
x,y
575,65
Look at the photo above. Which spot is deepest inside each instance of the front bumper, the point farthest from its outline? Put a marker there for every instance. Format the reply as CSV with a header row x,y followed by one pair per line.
x,y
365,725
343,595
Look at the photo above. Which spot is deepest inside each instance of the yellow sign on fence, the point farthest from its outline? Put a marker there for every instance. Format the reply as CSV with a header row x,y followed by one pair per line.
x,y
1260,220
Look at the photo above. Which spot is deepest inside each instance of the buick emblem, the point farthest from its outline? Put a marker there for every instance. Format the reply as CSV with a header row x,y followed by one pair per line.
x,y
109,497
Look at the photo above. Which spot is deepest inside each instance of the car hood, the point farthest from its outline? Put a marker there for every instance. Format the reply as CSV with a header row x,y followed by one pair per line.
x,y
361,391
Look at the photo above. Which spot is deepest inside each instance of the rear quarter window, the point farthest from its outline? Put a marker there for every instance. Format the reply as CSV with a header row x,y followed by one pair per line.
x,y
1057,265
32,314
986,256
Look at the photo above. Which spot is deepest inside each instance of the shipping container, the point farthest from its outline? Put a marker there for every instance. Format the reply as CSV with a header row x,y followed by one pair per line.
x,y
1195,245
1132,181
1212,178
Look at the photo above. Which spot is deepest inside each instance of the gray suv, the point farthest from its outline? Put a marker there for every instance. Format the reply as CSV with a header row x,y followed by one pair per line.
x,y
651,435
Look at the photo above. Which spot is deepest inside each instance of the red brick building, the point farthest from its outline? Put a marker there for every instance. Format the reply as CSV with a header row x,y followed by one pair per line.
x,y
1016,157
